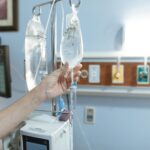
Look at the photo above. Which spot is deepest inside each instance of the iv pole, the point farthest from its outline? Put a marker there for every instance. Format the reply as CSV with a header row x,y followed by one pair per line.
x,y
53,41
53,37
53,46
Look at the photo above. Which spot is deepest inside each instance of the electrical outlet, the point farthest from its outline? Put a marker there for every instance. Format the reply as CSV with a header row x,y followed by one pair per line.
x,y
117,76
94,73
90,115
142,74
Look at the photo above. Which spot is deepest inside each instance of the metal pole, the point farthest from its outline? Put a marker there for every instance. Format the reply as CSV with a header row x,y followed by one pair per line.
x,y
53,50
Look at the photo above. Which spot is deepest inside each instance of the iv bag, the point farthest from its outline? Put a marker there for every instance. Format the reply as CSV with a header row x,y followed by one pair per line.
x,y
35,52
71,48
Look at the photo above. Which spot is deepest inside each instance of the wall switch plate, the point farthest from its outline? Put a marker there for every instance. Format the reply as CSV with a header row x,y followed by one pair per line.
x,y
117,77
94,73
142,74
89,115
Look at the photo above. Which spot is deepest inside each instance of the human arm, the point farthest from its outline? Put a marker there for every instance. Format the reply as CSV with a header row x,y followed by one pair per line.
x,y
52,85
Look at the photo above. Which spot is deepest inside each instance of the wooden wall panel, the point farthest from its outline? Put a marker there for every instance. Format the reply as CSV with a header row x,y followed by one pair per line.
x,y
106,74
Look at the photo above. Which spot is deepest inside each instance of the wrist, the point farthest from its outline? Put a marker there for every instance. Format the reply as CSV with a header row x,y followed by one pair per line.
x,y
41,92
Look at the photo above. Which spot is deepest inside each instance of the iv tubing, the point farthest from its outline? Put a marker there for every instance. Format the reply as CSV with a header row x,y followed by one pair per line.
x,y
145,64
83,132
37,68
118,64
63,14
49,16
42,4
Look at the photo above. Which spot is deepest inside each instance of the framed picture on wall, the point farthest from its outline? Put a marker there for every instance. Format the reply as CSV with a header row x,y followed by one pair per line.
x,y
8,15
5,78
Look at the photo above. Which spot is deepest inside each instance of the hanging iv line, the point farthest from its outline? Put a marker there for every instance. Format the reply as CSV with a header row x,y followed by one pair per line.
x,y
117,75
38,6
145,64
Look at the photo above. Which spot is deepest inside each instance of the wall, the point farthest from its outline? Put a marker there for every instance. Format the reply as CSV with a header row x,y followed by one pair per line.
x,y
100,21
15,40
121,123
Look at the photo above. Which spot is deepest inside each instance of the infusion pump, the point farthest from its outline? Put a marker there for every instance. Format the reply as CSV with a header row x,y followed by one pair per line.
x,y
45,133
41,132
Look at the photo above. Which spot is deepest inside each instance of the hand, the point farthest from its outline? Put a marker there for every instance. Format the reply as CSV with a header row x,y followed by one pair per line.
x,y
59,81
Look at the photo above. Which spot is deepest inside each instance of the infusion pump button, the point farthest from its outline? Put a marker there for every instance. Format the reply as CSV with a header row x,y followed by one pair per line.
x,y
84,74
37,129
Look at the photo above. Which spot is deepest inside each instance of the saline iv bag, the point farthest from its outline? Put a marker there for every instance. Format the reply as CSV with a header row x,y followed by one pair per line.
x,y
71,48
35,52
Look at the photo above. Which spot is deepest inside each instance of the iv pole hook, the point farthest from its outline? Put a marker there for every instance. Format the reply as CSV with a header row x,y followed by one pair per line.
x,y
35,11
77,5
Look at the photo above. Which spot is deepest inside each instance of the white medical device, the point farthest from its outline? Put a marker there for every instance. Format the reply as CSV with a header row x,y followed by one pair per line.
x,y
45,133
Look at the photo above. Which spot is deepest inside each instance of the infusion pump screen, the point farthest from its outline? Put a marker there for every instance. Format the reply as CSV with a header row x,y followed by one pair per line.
x,y
34,143
35,146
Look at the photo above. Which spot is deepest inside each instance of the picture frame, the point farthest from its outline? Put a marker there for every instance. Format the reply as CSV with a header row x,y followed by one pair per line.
x,y
8,15
5,77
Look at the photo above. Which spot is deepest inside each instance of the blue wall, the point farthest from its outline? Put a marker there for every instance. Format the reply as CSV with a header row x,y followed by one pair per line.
x,y
15,41
121,123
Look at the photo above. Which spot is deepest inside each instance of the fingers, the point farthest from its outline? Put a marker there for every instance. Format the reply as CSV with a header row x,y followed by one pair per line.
x,y
77,72
66,72
77,68
75,78
77,75
66,75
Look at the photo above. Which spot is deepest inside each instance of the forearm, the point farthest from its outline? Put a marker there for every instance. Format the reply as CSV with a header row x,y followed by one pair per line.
x,y
16,113
51,86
